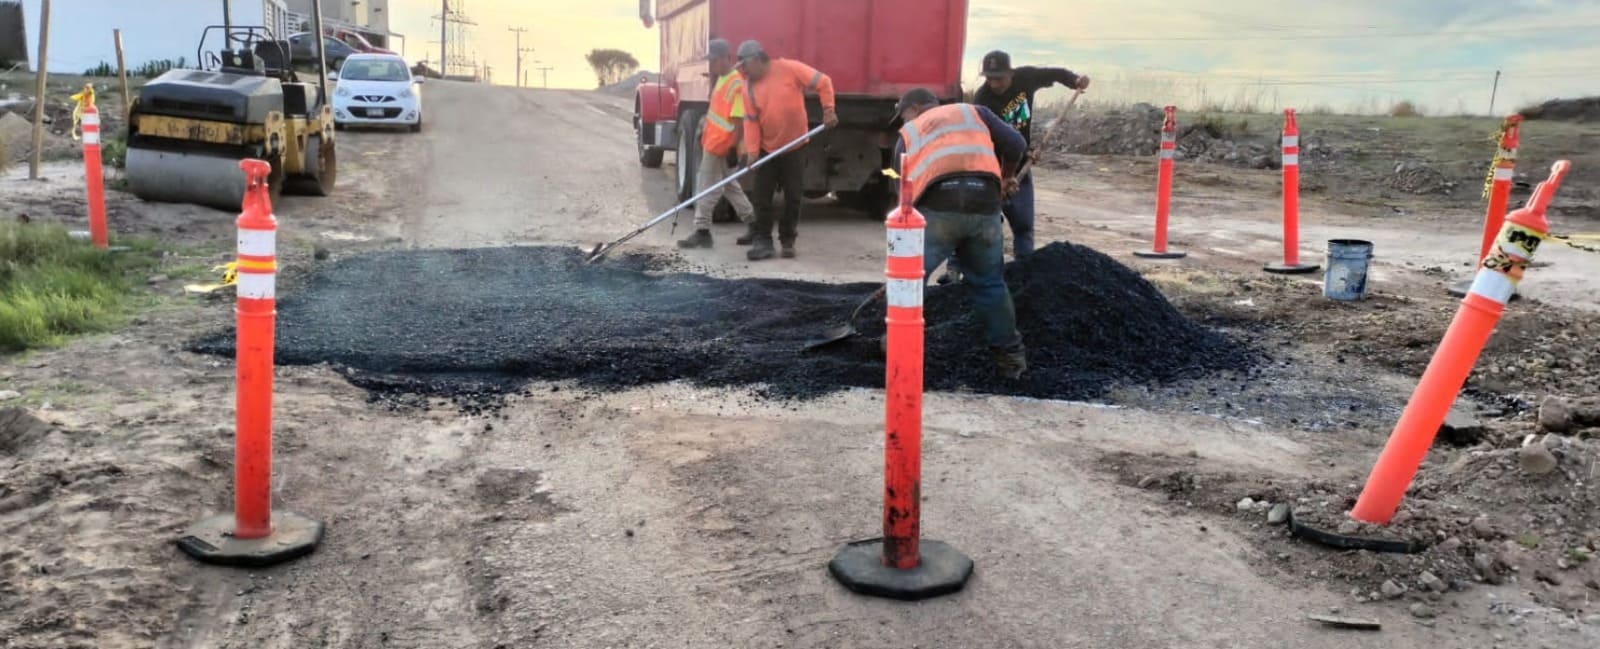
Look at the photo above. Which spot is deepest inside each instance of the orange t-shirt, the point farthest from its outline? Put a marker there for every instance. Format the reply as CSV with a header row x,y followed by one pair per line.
x,y
775,113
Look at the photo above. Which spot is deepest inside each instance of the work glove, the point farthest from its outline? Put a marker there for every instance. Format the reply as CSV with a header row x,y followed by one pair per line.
x,y
830,117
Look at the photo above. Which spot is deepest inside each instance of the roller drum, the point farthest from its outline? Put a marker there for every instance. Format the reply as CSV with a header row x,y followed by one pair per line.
x,y
206,179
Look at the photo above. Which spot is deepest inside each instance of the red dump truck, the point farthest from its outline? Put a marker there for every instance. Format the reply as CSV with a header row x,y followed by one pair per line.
x,y
874,50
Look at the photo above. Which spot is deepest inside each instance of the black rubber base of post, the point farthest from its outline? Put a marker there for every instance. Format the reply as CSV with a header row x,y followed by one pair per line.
x,y
1297,269
1151,254
211,541
859,567
1460,289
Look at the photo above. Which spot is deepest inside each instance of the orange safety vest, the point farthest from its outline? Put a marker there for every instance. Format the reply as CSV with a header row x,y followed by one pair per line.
x,y
717,136
950,139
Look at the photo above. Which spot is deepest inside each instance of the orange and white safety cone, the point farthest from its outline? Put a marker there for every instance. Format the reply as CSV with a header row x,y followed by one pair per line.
x,y
88,118
1291,203
901,565
1501,175
1169,150
1497,279
254,534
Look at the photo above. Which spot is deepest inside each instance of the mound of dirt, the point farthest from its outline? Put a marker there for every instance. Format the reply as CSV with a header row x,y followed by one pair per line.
x,y
626,87
1483,515
486,319
1132,131
1420,178
1586,109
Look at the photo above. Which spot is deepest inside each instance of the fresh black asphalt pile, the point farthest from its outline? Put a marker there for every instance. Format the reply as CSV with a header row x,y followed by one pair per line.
x,y
483,321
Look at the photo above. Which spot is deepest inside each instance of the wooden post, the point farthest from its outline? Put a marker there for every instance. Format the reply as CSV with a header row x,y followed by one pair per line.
x,y
38,89
122,76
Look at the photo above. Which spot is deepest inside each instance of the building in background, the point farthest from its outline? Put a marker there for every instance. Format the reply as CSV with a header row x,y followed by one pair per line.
x,y
369,19
80,30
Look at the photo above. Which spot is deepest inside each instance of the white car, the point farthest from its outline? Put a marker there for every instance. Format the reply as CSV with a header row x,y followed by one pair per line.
x,y
377,90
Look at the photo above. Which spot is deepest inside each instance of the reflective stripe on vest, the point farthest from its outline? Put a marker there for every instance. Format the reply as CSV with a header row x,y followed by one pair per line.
x,y
717,136
947,140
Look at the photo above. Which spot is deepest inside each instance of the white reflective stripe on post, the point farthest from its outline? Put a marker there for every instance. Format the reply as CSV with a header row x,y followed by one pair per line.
x,y
1166,154
905,242
258,243
1502,173
1493,285
91,119
91,137
1291,158
258,286
1291,140
1508,155
1169,136
905,293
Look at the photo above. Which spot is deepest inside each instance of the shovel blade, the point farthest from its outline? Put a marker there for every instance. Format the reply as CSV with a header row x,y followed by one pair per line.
x,y
837,334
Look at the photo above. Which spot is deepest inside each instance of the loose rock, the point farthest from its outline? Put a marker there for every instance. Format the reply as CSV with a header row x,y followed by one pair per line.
x,y
1432,582
1279,514
1481,528
1423,611
7,395
1555,415
1245,505
1461,428
1392,590
1536,459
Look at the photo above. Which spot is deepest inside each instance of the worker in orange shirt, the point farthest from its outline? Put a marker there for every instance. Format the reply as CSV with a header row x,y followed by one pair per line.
x,y
719,140
775,115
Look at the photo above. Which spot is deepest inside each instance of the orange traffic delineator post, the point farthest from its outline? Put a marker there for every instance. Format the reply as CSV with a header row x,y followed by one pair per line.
x,y
902,565
1498,191
254,534
1291,202
93,172
1169,150
1498,275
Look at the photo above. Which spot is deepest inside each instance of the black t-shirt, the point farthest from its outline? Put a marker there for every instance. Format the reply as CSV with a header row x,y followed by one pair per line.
x,y
1015,105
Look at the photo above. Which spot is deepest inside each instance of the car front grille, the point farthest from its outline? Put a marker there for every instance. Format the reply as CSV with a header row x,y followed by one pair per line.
x,y
375,99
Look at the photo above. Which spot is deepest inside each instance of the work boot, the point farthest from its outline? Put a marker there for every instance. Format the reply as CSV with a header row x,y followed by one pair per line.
x,y
700,239
760,250
1010,362
788,251
749,235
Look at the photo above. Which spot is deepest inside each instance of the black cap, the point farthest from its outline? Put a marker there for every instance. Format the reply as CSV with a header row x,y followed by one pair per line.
x,y
996,63
915,97
750,49
718,48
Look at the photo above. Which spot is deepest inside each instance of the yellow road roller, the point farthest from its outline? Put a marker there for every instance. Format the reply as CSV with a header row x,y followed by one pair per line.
x,y
189,128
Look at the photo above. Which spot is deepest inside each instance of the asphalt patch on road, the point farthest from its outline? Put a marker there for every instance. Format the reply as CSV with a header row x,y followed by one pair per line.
x,y
482,322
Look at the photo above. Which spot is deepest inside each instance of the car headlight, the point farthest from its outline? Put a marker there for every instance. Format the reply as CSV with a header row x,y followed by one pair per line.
x,y
342,92
405,94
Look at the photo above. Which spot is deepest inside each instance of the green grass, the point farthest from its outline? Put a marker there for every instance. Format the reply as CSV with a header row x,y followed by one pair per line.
x,y
53,286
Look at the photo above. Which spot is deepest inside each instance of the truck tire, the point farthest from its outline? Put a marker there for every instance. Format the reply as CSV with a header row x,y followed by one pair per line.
x,y
649,156
689,123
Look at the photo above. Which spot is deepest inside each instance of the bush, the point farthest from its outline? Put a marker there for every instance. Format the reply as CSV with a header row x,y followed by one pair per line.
x,y
1405,109
114,149
53,286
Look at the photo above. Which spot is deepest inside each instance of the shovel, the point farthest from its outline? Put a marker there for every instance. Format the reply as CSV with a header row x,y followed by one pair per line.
x,y
845,331
600,250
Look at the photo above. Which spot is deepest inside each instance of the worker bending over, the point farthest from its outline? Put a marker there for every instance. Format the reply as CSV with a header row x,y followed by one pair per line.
x,y
775,115
719,141
1009,93
958,162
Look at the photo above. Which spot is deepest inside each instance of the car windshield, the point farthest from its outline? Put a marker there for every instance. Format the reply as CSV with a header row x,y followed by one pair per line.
x,y
375,70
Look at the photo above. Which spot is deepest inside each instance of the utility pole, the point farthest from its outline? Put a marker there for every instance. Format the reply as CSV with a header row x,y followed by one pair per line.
x,y
444,40
39,87
1494,94
518,31
545,70
322,52
227,21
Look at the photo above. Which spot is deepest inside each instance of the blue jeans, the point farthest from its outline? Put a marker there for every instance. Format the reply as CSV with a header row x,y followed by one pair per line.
x,y
978,243
1018,212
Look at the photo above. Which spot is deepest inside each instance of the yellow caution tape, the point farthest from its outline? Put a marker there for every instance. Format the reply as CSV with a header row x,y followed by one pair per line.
x,y
891,173
1571,241
84,98
230,277
1500,147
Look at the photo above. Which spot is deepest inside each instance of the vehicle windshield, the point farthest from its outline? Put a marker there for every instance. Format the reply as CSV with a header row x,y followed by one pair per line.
x,y
375,70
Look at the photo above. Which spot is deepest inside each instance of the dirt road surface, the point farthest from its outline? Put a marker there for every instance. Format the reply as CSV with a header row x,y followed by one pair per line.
x,y
671,516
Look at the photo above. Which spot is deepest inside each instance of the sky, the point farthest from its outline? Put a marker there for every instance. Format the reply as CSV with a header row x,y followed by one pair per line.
x,y
1343,54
